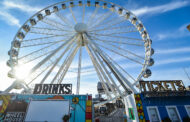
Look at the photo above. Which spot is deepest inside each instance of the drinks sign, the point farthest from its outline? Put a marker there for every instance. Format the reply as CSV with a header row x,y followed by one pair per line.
x,y
161,86
53,89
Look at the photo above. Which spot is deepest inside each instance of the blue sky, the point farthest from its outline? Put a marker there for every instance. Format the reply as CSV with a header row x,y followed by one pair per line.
x,y
165,21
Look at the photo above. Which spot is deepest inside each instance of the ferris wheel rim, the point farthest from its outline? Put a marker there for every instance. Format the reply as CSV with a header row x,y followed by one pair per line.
x,y
147,57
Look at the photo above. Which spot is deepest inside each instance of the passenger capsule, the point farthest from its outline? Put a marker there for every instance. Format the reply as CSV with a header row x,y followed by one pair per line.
x,y
127,15
14,62
147,73
151,62
152,51
55,8
112,7
40,16
47,11
32,22
120,11
80,3
16,44
63,6
97,4
88,3
144,34
13,53
71,4
20,35
134,20
11,74
26,28
146,44
105,6
139,27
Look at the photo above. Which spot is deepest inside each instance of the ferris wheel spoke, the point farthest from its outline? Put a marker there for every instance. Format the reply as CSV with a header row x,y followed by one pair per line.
x,y
83,13
98,73
42,71
50,55
49,29
117,42
41,38
123,81
67,22
62,67
36,57
119,66
47,33
112,50
122,32
129,38
121,49
79,71
92,16
39,44
108,74
111,28
75,20
111,23
56,62
61,72
54,23
68,65
101,19
42,50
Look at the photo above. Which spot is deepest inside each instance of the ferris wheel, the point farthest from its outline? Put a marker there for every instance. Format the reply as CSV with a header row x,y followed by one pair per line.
x,y
81,42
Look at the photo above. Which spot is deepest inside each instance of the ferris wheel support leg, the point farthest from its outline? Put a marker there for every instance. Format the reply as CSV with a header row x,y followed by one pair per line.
x,y
17,85
130,108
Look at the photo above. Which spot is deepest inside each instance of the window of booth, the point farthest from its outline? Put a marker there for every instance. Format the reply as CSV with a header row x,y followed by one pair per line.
x,y
187,107
1,102
153,114
173,113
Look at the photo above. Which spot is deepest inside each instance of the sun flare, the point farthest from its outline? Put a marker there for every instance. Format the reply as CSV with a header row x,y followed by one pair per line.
x,y
22,71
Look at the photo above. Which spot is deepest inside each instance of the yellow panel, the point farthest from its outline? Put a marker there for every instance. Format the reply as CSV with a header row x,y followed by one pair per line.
x,y
88,103
88,109
88,120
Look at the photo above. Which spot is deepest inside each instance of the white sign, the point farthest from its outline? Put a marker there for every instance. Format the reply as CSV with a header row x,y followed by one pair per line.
x,y
47,110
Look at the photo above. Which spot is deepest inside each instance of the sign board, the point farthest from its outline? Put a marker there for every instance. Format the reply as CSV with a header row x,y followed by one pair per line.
x,y
161,86
53,89
14,117
131,113
47,110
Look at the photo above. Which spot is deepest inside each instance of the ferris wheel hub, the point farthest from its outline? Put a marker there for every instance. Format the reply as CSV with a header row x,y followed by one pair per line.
x,y
81,27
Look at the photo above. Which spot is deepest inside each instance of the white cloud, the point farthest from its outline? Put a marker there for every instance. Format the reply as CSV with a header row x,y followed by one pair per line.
x,y
170,74
9,19
172,60
4,80
175,33
20,6
173,51
161,8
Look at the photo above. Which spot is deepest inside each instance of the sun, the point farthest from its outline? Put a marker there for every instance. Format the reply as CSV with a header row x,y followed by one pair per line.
x,y
22,71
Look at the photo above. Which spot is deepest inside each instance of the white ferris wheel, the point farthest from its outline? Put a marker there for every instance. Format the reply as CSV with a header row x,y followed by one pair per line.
x,y
85,41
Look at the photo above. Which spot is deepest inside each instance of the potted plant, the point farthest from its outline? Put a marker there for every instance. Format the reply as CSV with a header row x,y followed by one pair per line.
x,y
186,119
167,119
65,118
